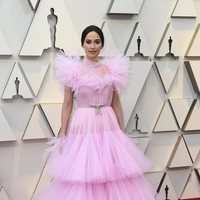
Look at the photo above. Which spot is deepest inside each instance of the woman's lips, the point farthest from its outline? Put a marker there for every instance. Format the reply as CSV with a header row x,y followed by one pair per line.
x,y
92,52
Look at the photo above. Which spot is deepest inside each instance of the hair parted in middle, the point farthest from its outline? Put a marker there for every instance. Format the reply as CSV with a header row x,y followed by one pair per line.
x,y
89,29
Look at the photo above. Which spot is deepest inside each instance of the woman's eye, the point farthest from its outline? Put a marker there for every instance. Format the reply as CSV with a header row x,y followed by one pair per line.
x,y
97,42
88,42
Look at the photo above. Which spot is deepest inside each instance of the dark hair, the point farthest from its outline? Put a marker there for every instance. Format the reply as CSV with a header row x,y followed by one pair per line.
x,y
90,29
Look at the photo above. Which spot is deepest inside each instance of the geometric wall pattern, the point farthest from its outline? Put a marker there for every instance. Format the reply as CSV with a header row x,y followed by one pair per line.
x,y
194,74
190,191
184,8
167,182
3,195
17,85
167,70
181,157
166,120
192,123
180,109
193,48
125,7
33,4
35,75
132,48
138,72
182,176
36,127
52,114
4,49
6,131
162,90
36,41
192,141
163,48
108,35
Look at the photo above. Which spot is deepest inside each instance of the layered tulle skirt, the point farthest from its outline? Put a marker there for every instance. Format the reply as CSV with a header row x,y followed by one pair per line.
x,y
96,161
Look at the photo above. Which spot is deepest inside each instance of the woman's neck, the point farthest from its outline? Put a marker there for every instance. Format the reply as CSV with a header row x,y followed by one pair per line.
x,y
92,60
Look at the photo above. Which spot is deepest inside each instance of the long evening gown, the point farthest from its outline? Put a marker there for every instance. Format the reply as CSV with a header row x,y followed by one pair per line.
x,y
97,160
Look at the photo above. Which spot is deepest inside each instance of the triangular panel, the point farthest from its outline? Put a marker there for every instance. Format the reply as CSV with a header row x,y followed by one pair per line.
x,y
194,48
193,122
6,131
133,46
181,86
179,178
35,75
163,47
171,192
197,171
125,7
122,31
31,163
3,195
193,144
184,8
142,142
138,72
110,43
4,48
38,37
148,105
193,69
167,70
156,179
192,189
178,36
197,162
138,4
180,156
29,152
160,148
34,4
37,127
52,113
17,80
42,182
181,108
139,127
166,120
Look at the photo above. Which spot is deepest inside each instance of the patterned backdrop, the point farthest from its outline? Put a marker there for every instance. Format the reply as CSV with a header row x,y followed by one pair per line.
x,y
161,102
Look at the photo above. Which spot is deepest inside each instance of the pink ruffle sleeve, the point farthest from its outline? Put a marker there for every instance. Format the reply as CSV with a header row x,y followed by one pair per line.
x,y
67,69
118,70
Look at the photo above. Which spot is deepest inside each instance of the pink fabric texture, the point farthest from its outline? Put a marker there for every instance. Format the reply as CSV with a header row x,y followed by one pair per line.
x,y
96,160
75,74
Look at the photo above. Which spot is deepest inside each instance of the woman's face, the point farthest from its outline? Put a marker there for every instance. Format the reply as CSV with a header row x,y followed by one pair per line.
x,y
92,46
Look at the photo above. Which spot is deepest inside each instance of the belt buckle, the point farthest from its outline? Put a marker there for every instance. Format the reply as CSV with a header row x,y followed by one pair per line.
x,y
97,107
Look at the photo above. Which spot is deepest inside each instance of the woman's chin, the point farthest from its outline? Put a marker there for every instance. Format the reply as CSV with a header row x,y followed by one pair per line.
x,y
93,57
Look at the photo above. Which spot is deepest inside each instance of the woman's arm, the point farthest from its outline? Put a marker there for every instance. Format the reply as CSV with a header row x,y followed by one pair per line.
x,y
67,107
116,105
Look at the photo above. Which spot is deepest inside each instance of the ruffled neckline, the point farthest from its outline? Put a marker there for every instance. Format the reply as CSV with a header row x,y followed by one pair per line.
x,y
74,72
93,64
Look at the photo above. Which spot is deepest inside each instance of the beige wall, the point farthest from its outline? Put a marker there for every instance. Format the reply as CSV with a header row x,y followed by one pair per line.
x,y
159,90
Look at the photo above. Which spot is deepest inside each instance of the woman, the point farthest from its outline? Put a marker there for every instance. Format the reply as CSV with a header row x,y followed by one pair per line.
x,y
94,159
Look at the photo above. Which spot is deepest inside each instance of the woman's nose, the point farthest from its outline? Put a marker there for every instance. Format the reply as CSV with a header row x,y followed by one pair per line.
x,y
92,45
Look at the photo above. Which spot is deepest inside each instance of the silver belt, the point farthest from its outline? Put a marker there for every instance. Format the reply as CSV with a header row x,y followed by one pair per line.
x,y
97,107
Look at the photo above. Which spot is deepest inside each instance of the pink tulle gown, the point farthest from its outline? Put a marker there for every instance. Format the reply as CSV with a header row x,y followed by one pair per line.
x,y
96,160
